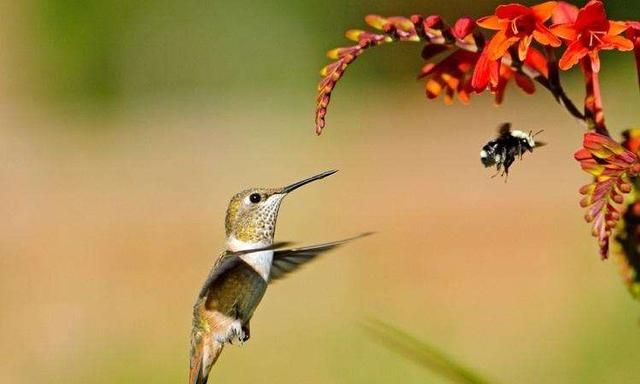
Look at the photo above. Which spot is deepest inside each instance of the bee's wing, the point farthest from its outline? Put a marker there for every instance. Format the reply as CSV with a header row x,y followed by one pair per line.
x,y
504,129
540,144
288,260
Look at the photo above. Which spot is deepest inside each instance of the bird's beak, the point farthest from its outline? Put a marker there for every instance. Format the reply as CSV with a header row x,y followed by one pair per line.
x,y
540,144
299,184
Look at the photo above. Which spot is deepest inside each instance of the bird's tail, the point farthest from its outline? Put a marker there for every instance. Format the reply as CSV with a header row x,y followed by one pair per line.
x,y
204,353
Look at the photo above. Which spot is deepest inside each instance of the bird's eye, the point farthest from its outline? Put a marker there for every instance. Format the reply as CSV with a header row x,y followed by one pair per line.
x,y
255,198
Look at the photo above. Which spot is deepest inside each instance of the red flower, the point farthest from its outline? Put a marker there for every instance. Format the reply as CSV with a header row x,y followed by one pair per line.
x,y
535,60
516,24
499,73
590,33
633,34
524,82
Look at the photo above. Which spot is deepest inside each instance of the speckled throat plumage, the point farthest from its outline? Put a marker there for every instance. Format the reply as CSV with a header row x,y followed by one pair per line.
x,y
253,223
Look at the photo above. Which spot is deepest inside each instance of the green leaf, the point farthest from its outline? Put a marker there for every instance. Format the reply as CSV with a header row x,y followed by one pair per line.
x,y
422,353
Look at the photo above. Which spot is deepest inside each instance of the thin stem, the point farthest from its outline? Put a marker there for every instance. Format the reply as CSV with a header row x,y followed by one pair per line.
x,y
552,83
561,97
593,99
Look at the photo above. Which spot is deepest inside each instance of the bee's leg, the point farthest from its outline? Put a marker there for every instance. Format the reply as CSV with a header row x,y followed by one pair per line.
x,y
498,169
507,163
520,151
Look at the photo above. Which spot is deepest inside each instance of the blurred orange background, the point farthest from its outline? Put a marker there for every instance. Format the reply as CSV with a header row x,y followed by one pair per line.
x,y
125,127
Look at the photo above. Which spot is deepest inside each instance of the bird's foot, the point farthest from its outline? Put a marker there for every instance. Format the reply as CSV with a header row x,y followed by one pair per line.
x,y
245,333
238,334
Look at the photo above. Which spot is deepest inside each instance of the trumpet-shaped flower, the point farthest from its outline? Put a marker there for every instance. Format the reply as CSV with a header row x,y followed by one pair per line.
x,y
589,34
515,24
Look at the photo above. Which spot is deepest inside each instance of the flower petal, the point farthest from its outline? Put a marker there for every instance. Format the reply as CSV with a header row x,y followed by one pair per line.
x,y
525,83
544,11
617,42
537,61
433,21
565,13
634,25
592,17
617,27
523,47
572,55
511,11
494,72
565,31
376,21
595,60
544,36
433,88
491,22
632,139
427,70
463,95
463,27
480,78
499,44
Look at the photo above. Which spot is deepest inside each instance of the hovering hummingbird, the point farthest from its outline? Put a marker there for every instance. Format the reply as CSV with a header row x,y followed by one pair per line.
x,y
239,278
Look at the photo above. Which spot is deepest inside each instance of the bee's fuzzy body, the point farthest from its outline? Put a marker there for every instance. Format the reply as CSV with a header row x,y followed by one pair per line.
x,y
503,150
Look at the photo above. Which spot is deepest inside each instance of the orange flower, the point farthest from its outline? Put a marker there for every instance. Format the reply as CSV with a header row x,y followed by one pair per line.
x,y
498,73
450,76
516,24
589,34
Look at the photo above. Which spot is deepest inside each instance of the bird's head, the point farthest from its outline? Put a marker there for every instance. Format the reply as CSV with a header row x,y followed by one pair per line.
x,y
252,214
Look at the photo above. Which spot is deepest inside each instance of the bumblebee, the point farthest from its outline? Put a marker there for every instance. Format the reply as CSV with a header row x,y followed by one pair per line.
x,y
503,150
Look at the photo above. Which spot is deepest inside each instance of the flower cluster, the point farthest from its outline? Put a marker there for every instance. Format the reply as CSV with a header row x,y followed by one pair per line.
x,y
612,165
474,62
533,45
515,25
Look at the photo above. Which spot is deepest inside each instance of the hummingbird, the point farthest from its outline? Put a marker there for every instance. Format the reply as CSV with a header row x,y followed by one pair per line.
x,y
240,276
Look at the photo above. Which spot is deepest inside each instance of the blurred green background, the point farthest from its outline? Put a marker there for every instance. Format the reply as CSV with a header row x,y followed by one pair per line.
x,y
125,127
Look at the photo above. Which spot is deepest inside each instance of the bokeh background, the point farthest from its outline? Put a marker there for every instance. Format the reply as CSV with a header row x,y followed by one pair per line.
x,y
126,125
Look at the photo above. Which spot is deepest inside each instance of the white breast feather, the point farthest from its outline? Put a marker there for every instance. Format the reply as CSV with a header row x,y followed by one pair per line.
x,y
259,261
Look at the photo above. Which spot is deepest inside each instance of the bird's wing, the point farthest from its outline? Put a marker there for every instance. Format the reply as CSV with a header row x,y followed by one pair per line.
x,y
230,259
288,260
